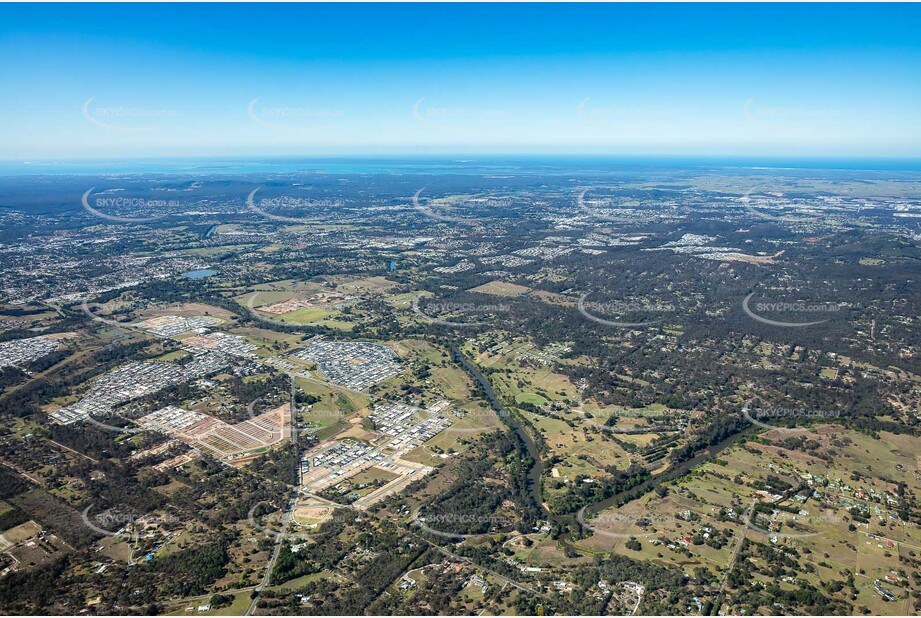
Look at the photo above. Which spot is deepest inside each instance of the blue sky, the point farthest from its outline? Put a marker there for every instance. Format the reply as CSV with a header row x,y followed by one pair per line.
x,y
147,80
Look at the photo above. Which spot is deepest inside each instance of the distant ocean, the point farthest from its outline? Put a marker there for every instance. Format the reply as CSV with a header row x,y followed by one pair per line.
x,y
439,165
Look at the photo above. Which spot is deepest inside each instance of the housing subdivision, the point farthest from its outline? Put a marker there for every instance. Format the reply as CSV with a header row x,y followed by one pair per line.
x,y
322,299
22,351
214,437
135,380
402,428
344,457
234,345
172,325
203,338
330,464
353,364
408,427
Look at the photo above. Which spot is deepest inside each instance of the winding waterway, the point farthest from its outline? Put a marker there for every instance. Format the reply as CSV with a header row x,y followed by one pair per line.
x,y
537,468
669,474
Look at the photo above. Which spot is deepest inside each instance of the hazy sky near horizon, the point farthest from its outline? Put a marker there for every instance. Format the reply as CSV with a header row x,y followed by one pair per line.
x,y
149,80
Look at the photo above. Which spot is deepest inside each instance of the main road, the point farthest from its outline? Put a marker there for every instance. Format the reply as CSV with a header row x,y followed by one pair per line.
x,y
279,540
746,518
289,509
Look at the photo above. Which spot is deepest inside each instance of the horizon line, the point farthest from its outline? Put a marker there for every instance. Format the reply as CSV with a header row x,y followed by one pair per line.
x,y
463,155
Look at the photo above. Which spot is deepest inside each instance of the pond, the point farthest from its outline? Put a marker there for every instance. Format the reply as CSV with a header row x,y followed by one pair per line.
x,y
199,274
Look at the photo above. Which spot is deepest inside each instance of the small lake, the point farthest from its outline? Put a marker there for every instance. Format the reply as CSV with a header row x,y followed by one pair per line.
x,y
199,274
